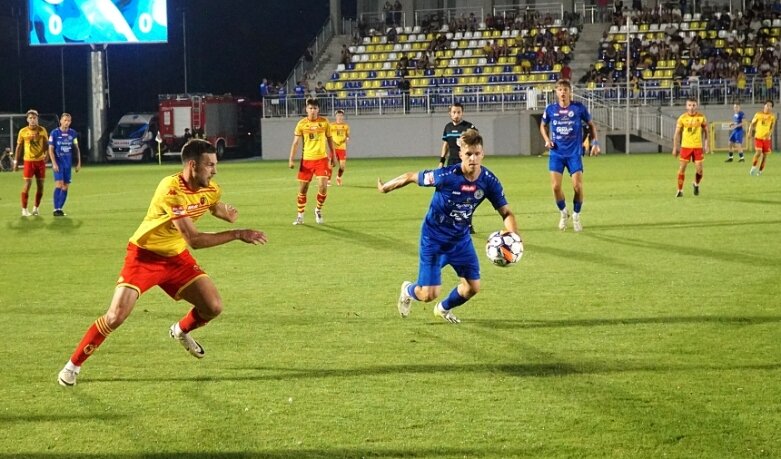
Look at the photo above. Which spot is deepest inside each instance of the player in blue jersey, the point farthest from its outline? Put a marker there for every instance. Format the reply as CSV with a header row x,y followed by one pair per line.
x,y
444,238
63,145
736,134
567,119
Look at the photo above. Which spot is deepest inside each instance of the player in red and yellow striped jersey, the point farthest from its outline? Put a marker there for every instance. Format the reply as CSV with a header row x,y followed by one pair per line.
x,y
762,125
341,135
33,142
315,132
691,134
157,255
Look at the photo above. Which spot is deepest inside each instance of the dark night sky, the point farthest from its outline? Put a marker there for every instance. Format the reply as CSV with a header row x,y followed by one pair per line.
x,y
231,45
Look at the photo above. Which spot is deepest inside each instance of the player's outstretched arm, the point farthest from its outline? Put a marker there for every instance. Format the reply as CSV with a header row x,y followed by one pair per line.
x,y
510,224
398,182
225,211
199,240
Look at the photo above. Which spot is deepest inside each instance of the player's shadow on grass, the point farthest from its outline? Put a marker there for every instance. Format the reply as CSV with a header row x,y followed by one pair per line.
x,y
763,202
688,250
521,370
368,240
498,324
25,224
65,224
588,256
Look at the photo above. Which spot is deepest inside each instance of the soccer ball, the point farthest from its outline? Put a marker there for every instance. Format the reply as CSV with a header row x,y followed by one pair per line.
x,y
504,248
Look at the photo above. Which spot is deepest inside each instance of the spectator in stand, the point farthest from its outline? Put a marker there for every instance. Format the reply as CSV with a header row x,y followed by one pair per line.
x,y
401,66
423,63
299,94
397,13
309,59
320,89
740,84
392,36
404,86
346,55
263,89
566,72
387,11
488,50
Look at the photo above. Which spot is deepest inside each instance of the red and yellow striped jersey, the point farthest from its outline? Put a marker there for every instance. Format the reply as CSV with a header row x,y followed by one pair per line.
x,y
340,133
315,134
173,200
692,127
763,123
35,141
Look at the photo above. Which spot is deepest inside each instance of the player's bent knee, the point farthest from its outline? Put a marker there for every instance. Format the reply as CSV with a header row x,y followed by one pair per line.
x,y
428,294
211,308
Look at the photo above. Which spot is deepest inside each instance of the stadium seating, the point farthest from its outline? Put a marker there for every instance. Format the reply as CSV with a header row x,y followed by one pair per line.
x,y
462,69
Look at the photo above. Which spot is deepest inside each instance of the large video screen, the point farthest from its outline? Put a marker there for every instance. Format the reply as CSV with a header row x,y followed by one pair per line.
x,y
86,22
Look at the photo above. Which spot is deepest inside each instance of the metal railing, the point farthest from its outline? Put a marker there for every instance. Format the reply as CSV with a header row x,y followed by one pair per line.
x,y
448,14
555,10
318,45
610,99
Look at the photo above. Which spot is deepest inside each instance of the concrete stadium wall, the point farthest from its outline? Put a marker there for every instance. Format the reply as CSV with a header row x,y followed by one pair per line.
x,y
505,134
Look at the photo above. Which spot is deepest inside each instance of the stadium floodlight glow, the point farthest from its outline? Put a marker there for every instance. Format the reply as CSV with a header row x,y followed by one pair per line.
x,y
97,22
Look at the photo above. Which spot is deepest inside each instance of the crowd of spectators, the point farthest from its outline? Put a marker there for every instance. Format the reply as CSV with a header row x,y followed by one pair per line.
x,y
551,42
745,44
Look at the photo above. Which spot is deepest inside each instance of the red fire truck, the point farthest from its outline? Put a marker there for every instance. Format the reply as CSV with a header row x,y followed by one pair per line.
x,y
214,116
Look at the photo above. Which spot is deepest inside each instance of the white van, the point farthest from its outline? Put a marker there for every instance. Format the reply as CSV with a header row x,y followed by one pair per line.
x,y
133,139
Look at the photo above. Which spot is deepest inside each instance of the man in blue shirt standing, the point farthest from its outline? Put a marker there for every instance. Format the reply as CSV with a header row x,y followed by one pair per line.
x,y
63,143
566,120
444,238
736,134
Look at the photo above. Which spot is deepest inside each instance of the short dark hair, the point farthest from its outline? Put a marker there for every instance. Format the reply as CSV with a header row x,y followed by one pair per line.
x,y
313,102
195,148
457,104
471,137
769,101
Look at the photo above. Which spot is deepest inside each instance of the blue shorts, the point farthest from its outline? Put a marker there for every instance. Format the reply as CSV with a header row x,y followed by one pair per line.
x,y
434,255
557,163
64,175
736,136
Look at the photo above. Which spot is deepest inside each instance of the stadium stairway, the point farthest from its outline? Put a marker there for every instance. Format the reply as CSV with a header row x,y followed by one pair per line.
x,y
585,53
327,62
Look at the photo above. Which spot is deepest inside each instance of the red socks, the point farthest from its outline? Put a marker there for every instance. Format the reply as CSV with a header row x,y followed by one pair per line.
x,y
95,335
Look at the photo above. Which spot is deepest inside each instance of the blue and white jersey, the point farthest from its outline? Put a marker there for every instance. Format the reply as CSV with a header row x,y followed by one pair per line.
x,y
737,118
566,127
455,200
63,142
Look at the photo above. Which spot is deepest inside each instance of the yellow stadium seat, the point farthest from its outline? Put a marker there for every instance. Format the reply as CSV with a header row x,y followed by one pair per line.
x,y
342,94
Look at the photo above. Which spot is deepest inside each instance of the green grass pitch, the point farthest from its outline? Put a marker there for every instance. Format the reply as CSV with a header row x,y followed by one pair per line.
x,y
653,333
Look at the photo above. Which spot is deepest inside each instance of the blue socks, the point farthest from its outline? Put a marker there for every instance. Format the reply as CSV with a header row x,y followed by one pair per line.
x,y
411,291
576,206
57,194
453,300
561,204
60,196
